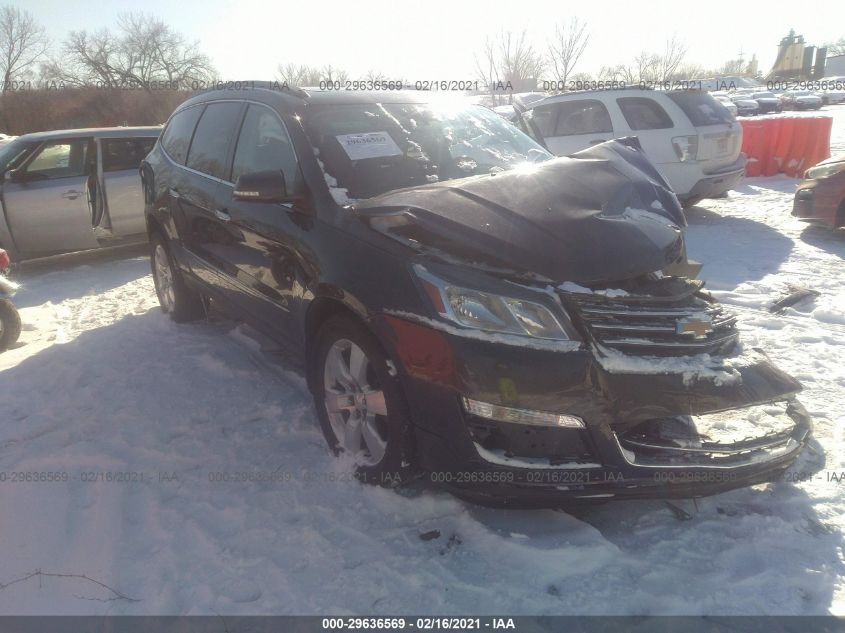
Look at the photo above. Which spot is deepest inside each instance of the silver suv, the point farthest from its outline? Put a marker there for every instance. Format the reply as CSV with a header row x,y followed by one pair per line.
x,y
690,137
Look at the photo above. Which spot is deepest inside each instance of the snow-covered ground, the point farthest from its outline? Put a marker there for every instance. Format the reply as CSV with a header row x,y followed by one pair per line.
x,y
105,383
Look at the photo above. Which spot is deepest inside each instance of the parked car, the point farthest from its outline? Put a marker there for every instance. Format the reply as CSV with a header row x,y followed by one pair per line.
x,y
461,301
820,197
507,112
73,190
767,102
800,100
726,101
691,138
745,105
833,91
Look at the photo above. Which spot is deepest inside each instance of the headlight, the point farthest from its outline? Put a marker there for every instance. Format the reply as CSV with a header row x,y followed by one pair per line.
x,y
824,171
490,312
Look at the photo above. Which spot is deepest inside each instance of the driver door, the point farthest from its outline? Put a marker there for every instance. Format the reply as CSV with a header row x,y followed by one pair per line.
x,y
47,206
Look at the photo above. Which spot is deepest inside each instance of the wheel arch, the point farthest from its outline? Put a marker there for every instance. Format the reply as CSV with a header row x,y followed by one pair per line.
x,y
321,310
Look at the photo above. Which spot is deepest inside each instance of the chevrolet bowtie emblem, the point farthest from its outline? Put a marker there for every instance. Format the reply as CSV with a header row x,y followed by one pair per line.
x,y
696,327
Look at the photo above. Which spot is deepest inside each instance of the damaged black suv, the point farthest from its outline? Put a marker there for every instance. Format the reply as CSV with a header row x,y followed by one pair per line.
x,y
466,307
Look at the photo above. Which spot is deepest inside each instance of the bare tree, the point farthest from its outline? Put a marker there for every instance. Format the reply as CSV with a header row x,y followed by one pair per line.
x,y
299,75
646,67
567,47
333,74
690,71
732,67
23,43
620,72
486,67
144,52
508,59
519,61
673,54
836,48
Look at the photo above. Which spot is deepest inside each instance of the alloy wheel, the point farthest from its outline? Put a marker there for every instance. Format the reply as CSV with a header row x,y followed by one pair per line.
x,y
355,403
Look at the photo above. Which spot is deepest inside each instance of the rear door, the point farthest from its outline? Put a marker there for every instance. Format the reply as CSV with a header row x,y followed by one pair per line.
x,y
719,135
265,255
121,182
49,212
652,125
204,228
573,125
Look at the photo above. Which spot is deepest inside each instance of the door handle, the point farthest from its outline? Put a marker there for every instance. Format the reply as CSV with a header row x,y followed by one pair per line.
x,y
71,194
595,141
174,192
223,215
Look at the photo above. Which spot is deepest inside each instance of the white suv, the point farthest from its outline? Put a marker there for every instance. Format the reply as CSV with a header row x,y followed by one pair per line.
x,y
690,137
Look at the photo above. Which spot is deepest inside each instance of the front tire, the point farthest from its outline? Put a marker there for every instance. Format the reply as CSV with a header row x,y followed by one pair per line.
x,y
10,324
360,405
174,296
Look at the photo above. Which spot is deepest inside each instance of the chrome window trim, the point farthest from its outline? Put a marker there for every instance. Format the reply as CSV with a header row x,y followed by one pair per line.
x,y
206,103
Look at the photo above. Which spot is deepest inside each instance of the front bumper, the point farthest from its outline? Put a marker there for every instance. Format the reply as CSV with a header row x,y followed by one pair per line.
x,y
520,465
821,201
766,107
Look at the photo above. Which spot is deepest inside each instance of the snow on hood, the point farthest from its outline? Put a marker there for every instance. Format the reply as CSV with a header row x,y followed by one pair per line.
x,y
602,214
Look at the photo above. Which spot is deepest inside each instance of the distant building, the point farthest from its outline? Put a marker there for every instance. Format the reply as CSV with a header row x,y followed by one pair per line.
x,y
835,66
796,60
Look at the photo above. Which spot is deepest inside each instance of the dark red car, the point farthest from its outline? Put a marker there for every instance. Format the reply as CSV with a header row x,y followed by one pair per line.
x,y
821,195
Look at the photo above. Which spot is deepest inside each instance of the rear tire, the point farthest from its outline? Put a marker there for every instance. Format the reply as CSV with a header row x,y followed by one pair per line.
x,y
10,324
360,405
174,296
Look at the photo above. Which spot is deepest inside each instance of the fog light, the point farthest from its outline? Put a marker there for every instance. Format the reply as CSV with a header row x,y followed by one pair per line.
x,y
521,416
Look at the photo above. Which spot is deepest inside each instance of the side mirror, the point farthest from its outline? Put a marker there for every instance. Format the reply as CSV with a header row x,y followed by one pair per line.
x,y
21,176
263,186
15,175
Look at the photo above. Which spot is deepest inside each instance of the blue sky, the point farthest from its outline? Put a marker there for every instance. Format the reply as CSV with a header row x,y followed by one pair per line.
x,y
437,39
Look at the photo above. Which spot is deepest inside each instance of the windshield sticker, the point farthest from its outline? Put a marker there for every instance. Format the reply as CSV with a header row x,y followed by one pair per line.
x,y
368,145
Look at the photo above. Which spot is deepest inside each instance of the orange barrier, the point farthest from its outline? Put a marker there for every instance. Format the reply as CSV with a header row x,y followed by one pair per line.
x,y
752,138
781,150
788,145
770,165
825,126
802,143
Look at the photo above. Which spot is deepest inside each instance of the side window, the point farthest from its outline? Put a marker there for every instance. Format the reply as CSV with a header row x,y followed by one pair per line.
x,y
123,154
177,136
585,116
643,113
544,118
60,159
210,146
263,145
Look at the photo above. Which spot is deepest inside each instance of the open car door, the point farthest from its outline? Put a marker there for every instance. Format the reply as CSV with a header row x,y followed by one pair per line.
x,y
47,199
121,210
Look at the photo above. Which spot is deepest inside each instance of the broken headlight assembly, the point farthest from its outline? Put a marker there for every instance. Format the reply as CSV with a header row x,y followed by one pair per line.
x,y
490,312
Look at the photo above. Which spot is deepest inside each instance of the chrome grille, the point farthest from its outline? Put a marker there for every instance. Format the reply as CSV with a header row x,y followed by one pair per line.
x,y
661,325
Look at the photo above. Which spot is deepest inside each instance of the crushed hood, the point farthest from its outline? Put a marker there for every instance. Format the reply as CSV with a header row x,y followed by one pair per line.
x,y
603,214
